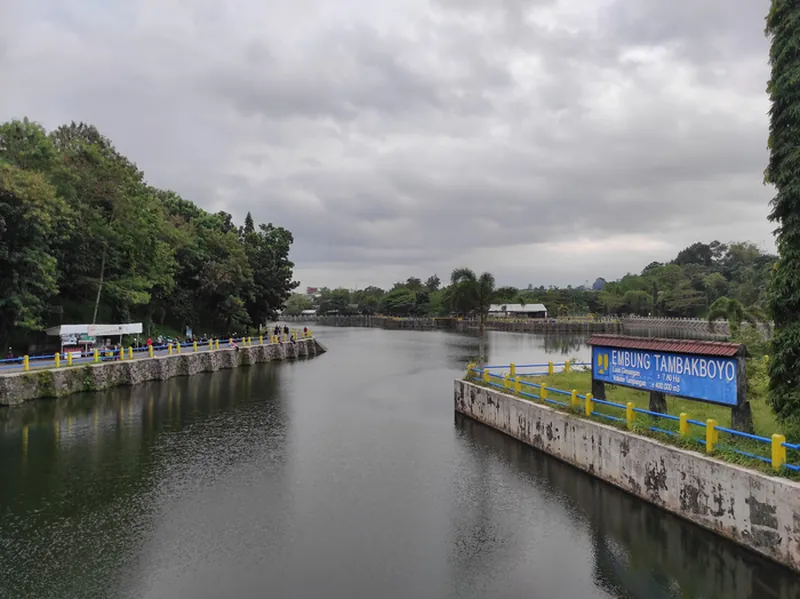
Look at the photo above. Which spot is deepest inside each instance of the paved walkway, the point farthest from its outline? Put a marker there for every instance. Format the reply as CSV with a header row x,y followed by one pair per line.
x,y
139,353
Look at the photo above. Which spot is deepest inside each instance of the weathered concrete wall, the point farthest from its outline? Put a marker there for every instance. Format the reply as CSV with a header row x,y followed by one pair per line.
x,y
16,388
757,511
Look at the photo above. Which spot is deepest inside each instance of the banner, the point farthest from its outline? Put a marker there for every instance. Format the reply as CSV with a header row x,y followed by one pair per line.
x,y
707,378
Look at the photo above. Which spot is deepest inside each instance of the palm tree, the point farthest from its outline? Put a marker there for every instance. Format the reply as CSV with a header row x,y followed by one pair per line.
x,y
473,294
735,313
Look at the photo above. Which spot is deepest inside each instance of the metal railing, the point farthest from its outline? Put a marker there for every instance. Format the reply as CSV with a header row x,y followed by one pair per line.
x,y
96,356
510,381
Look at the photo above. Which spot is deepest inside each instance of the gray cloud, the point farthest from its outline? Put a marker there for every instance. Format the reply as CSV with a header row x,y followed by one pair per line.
x,y
549,142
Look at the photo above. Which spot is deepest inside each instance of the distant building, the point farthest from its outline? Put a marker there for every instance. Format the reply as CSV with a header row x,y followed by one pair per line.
x,y
518,310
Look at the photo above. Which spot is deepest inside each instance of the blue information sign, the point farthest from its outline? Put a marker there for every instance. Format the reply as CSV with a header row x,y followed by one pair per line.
x,y
708,378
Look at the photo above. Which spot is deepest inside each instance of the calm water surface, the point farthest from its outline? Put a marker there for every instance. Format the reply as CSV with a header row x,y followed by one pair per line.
x,y
345,476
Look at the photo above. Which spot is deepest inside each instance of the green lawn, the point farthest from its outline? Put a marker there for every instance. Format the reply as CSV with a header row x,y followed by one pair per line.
x,y
763,418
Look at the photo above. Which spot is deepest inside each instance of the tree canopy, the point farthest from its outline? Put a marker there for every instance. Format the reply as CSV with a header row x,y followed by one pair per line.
x,y
84,238
783,29
686,286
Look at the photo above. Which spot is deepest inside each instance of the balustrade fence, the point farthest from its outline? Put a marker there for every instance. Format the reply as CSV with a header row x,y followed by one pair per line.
x,y
69,358
680,428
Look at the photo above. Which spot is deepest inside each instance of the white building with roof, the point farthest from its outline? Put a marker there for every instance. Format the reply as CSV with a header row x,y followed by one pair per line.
x,y
518,310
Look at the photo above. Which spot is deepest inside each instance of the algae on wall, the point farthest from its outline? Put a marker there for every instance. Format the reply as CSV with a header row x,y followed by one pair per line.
x,y
45,385
87,383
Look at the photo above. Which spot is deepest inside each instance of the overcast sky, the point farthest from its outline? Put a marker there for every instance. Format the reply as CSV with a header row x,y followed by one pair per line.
x,y
547,141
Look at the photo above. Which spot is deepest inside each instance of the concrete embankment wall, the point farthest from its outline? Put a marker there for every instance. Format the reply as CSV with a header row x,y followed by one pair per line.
x,y
19,387
756,510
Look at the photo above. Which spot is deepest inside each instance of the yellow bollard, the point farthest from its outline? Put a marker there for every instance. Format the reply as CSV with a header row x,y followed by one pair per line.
x,y
550,368
543,392
121,353
249,342
566,366
194,346
778,451
629,413
684,426
712,435
150,350
285,338
130,353
589,404
230,341
513,368
169,349
574,400
309,332
26,363
470,372
96,356
485,375
178,346
517,385
217,343
506,382
57,359
69,358
261,339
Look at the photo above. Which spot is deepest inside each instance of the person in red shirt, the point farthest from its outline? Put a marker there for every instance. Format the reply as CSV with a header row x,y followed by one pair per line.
x,y
149,342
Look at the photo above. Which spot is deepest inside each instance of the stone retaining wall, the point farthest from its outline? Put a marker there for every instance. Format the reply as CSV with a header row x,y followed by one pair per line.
x,y
19,387
758,511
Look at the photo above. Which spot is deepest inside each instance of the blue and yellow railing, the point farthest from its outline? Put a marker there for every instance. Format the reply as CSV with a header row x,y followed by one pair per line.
x,y
509,381
58,360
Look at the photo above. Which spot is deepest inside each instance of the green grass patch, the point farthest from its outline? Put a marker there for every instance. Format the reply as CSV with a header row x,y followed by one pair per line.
x,y
763,418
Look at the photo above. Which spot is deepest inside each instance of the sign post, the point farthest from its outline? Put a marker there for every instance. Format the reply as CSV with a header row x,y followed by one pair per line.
x,y
707,371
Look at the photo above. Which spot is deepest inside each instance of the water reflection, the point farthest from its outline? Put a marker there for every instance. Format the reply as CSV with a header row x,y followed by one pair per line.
x,y
342,477
81,475
640,552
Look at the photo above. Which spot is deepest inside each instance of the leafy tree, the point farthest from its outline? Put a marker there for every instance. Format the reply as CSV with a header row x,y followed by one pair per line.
x,y
30,215
507,295
335,301
735,313
399,301
432,283
267,252
472,294
296,303
783,29
84,237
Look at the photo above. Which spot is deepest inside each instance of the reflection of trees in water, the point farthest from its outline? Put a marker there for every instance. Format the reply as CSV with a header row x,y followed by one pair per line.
x,y
564,344
80,476
642,552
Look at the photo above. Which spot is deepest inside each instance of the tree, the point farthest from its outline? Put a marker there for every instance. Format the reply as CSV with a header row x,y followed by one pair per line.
x,y
31,217
84,238
433,283
507,295
735,313
334,301
473,294
267,252
399,301
296,303
783,29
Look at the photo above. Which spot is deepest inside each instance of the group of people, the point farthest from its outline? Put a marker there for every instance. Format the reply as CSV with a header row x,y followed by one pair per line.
x,y
289,335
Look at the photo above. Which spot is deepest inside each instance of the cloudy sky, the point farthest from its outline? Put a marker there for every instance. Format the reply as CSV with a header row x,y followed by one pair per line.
x,y
548,141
